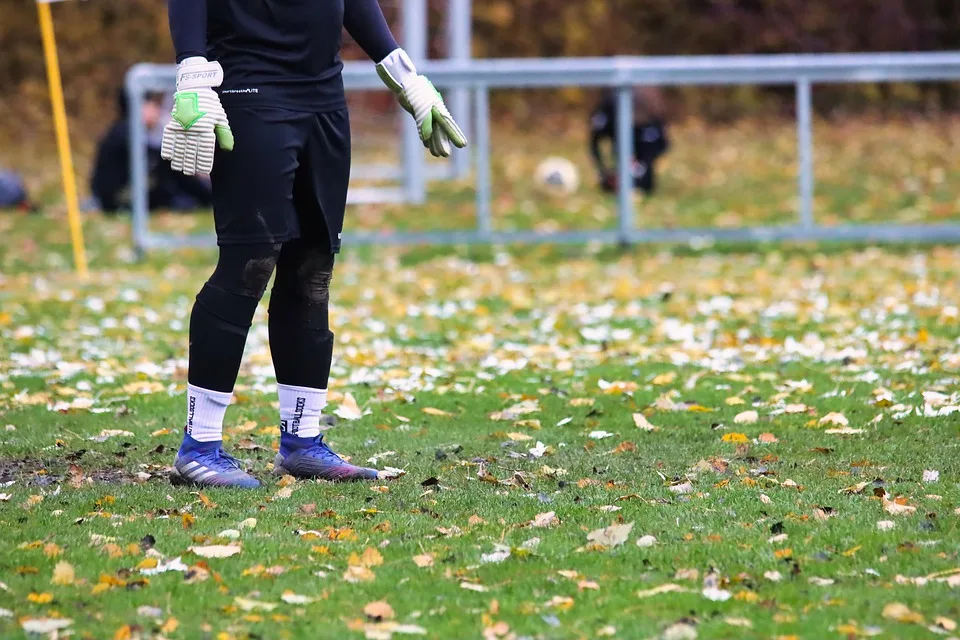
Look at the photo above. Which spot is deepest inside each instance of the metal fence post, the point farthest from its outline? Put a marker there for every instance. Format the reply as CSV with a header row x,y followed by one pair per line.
x,y
459,35
415,44
805,151
625,152
138,166
481,146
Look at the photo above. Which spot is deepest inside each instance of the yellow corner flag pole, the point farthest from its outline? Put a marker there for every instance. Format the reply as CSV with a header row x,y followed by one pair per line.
x,y
63,136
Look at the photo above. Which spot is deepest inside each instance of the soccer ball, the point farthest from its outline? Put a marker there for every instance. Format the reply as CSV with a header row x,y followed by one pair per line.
x,y
557,176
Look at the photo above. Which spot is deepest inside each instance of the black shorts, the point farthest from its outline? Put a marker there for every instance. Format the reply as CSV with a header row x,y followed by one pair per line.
x,y
285,178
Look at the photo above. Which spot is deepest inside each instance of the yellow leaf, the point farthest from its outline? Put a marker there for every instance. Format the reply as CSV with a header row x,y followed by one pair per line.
x,y
187,520
901,613
358,574
51,550
63,574
169,626
431,411
561,603
147,563
849,553
737,438
782,554
519,437
733,400
369,558
40,598
581,402
123,633
664,378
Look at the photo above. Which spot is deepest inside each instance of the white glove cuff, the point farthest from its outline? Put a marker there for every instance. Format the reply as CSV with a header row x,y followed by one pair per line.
x,y
399,67
198,73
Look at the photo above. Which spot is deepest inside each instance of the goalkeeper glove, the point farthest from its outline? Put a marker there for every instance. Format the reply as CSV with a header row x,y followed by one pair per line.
x,y
198,121
419,97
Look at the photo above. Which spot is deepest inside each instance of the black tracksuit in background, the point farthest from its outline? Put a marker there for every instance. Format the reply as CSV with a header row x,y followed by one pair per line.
x,y
649,143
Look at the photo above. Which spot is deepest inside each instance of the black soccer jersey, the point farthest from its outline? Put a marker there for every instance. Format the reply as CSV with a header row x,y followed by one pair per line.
x,y
283,53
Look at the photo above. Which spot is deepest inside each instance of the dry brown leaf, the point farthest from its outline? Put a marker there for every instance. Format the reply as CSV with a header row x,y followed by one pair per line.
x,y
424,560
378,611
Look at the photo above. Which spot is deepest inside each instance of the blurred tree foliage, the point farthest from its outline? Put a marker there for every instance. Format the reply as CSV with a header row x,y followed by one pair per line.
x,y
100,39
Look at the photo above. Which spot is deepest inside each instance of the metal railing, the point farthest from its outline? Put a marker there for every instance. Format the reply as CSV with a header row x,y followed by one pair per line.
x,y
623,73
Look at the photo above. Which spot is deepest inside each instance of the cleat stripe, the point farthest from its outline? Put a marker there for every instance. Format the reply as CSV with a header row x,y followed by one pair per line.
x,y
201,478
190,466
197,472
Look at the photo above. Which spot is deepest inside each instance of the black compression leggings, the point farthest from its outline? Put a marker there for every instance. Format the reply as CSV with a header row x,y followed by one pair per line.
x,y
300,339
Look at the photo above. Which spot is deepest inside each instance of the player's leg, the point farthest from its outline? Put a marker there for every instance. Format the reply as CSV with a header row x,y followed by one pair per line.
x,y
219,323
300,338
253,212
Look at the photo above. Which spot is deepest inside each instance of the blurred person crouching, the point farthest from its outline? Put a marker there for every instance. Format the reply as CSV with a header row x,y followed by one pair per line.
x,y
649,138
168,189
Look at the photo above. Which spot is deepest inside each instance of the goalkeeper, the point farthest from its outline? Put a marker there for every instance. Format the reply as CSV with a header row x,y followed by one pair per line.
x,y
260,106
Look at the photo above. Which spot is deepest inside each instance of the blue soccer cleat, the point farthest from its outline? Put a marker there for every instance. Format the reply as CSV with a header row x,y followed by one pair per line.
x,y
312,458
206,464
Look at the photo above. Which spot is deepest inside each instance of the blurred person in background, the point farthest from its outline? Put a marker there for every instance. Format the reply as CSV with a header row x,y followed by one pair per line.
x,y
649,138
13,192
168,189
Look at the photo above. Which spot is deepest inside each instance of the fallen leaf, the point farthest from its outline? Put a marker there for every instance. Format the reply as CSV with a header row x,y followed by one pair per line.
x,y
348,409
663,588
40,598
379,611
249,604
612,536
44,626
431,411
646,541
885,525
894,508
716,594
746,417
563,603
834,418
471,586
930,476
737,438
169,626
542,520
767,438
642,423
295,598
901,613
845,431
519,437
369,558
599,435
424,560
216,551
357,574
63,574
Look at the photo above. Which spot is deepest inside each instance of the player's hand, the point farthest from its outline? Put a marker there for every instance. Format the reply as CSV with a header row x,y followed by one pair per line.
x,y
198,121
419,97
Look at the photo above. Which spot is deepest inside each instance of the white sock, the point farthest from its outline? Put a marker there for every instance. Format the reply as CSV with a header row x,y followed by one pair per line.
x,y
300,409
205,411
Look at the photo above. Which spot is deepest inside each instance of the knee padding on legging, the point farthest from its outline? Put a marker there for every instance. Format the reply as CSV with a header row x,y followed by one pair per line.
x,y
301,291
236,286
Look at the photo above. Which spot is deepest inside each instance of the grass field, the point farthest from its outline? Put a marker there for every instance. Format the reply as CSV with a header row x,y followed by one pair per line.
x,y
659,442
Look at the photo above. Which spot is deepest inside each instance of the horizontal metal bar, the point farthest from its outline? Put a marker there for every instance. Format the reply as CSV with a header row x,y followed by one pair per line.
x,y
394,172
949,233
624,70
